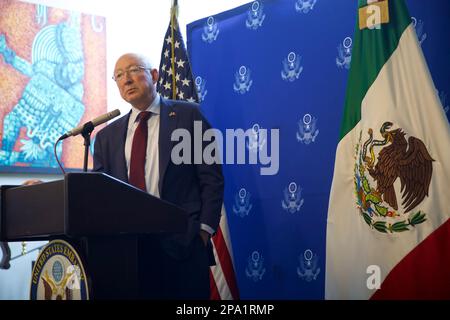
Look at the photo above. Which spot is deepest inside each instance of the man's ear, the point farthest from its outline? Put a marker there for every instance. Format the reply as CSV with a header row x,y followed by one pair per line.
x,y
155,75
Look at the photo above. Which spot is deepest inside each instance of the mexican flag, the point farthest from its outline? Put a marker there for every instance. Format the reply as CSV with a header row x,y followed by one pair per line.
x,y
388,228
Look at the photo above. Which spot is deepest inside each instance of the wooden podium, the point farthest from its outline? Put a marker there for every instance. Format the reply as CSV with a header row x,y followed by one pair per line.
x,y
101,217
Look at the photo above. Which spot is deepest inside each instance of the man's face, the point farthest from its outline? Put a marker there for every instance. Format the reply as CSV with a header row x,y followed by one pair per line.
x,y
136,84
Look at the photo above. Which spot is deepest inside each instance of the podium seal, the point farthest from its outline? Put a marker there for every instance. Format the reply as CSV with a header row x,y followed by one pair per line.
x,y
58,274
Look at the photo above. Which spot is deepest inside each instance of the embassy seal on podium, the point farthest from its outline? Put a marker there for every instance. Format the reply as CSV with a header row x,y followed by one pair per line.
x,y
58,274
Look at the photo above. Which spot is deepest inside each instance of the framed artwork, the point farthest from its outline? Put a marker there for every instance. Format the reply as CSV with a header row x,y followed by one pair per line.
x,y
52,78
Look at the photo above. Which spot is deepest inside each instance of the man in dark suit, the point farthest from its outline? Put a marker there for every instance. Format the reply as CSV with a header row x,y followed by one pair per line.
x,y
137,149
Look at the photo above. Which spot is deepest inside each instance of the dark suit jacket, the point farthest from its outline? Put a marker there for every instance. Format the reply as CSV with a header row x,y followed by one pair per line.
x,y
198,188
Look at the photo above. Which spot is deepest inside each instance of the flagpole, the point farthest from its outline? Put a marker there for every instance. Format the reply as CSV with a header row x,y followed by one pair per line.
x,y
173,18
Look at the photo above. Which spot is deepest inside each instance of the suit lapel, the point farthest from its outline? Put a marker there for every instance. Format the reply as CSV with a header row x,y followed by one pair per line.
x,y
168,123
120,151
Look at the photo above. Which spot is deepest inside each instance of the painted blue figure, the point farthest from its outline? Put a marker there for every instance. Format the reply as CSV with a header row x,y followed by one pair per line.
x,y
51,103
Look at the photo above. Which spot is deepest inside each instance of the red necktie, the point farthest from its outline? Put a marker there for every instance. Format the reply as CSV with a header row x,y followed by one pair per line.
x,y
138,152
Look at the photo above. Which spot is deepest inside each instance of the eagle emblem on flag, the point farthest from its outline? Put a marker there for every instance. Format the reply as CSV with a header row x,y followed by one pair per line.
x,y
398,159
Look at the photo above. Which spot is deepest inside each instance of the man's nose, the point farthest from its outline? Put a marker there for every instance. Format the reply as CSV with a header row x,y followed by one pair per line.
x,y
128,78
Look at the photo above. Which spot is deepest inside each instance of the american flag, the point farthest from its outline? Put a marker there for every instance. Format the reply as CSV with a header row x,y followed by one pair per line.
x,y
222,276
176,82
175,76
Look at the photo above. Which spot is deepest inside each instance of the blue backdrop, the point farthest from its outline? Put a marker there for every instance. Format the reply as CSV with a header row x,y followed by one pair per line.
x,y
284,64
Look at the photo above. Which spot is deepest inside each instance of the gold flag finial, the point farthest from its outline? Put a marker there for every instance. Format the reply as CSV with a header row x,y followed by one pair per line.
x,y
174,9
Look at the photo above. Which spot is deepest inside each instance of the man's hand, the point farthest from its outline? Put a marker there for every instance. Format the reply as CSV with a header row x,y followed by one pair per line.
x,y
205,236
31,182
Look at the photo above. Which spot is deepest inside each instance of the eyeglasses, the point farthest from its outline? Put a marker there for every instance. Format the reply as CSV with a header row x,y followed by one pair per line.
x,y
131,71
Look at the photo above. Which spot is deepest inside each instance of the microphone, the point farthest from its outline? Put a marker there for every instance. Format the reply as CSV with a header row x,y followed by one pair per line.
x,y
91,124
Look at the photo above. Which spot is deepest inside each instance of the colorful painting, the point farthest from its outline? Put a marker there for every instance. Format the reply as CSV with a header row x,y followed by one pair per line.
x,y
52,79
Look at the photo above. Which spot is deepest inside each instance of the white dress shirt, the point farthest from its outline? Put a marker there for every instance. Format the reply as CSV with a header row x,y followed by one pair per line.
x,y
152,154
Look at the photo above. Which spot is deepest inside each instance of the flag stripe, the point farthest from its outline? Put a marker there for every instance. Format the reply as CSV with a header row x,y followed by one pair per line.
x,y
423,273
371,50
225,260
223,290
213,287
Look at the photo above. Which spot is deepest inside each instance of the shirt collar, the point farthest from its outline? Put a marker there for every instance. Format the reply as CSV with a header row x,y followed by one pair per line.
x,y
153,108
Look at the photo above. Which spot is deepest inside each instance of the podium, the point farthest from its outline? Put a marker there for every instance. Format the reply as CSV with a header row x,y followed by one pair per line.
x,y
101,217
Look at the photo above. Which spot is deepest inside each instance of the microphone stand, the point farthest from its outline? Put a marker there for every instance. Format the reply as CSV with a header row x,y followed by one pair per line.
x,y
86,133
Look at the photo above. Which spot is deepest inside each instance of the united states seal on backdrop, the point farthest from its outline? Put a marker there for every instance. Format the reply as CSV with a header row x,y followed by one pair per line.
x,y
210,30
379,165
291,67
242,205
255,266
419,27
257,139
344,57
307,129
243,80
292,200
304,6
308,268
200,84
255,16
